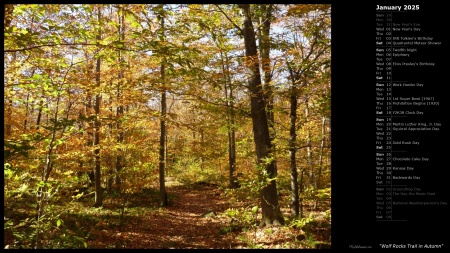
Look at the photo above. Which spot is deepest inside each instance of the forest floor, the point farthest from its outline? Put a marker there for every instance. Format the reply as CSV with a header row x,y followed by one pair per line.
x,y
179,225
199,216
182,225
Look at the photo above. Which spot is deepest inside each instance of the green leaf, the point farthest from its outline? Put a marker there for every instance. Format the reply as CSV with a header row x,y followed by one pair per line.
x,y
255,209
58,223
41,184
58,142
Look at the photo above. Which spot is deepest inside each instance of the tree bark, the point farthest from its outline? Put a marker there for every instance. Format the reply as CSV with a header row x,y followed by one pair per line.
x,y
264,42
301,190
230,122
42,190
271,213
319,173
8,105
162,138
119,111
292,146
311,173
264,45
38,120
97,170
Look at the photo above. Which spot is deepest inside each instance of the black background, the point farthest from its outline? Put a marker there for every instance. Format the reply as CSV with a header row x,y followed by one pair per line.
x,y
353,129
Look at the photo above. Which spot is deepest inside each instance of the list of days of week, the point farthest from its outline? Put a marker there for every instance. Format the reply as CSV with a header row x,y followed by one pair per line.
x,y
402,113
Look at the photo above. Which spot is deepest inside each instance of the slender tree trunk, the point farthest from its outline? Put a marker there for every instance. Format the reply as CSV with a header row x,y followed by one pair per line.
x,y
264,42
8,102
201,149
8,118
162,138
311,174
89,132
25,122
26,113
42,196
38,119
293,147
232,141
271,213
232,152
167,164
119,112
162,145
39,116
89,111
322,146
230,121
301,189
111,168
97,171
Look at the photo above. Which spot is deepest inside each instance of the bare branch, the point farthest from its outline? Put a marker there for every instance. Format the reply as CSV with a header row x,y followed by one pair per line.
x,y
64,44
236,26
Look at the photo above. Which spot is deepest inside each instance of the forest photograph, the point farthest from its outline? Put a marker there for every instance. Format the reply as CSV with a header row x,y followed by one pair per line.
x,y
167,126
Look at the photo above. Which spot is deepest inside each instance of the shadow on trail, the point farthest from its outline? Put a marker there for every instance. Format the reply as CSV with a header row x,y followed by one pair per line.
x,y
178,225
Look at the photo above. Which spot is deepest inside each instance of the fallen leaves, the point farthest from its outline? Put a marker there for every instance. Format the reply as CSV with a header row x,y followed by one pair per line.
x,y
184,225
179,225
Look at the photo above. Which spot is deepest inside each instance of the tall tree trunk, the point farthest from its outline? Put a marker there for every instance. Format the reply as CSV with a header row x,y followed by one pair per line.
x,y
322,146
264,42
111,169
232,151
97,171
38,120
119,112
8,118
167,164
229,103
311,174
292,145
8,102
271,213
301,190
39,116
26,113
162,137
201,149
25,121
43,194
90,132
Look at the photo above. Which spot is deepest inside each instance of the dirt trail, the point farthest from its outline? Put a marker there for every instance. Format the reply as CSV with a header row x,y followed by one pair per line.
x,y
179,225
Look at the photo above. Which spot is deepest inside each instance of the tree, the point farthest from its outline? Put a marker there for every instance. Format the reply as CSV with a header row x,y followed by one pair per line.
x,y
292,144
264,12
119,110
271,213
231,119
310,47
97,170
162,138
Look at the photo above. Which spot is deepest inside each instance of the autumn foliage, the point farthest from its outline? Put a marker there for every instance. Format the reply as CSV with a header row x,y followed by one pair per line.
x,y
103,104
